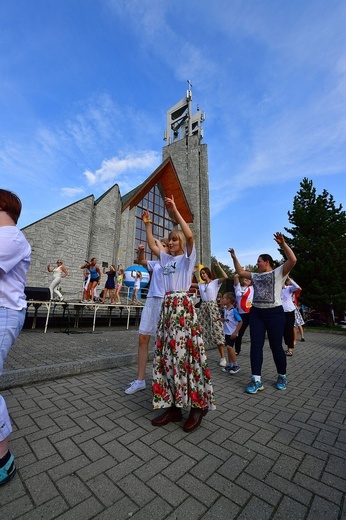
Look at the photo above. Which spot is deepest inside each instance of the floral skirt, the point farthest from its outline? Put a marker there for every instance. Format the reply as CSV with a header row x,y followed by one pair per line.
x,y
209,319
298,318
181,376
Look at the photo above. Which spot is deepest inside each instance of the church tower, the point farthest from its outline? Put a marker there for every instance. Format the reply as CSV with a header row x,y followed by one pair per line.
x,y
183,135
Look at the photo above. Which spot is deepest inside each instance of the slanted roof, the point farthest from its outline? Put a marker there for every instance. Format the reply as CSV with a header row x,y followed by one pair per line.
x,y
167,176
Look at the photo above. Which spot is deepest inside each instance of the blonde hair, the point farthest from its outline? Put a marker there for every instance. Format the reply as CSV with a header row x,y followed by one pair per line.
x,y
181,237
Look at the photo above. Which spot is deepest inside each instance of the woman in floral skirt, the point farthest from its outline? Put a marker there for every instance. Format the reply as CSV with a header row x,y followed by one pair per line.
x,y
181,377
209,313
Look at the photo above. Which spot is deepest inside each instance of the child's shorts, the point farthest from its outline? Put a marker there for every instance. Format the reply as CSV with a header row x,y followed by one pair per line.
x,y
228,341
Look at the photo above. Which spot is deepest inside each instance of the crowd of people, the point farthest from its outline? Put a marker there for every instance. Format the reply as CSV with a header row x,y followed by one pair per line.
x,y
91,282
181,379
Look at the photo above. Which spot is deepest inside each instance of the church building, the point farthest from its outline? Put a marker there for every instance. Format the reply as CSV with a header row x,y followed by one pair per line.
x,y
110,228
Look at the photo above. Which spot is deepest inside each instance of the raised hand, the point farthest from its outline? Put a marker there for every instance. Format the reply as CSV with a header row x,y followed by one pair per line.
x,y
169,201
279,238
146,217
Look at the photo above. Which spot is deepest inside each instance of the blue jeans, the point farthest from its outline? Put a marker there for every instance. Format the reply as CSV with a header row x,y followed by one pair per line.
x,y
11,323
271,321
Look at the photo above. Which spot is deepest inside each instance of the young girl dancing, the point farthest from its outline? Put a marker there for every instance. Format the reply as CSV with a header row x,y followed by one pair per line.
x,y
181,377
209,313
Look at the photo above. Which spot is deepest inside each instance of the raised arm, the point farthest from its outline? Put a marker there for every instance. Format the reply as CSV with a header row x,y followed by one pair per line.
x,y
150,237
141,255
170,204
224,275
291,259
238,267
294,285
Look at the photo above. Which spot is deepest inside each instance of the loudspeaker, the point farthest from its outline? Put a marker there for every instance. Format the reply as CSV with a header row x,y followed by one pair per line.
x,y
41,294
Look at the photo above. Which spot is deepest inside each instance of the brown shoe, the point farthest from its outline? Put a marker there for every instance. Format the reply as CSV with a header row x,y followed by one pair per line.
x,y
195,418
172,414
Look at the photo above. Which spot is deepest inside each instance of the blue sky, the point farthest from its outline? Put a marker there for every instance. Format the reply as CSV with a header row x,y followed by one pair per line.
x,y
85,86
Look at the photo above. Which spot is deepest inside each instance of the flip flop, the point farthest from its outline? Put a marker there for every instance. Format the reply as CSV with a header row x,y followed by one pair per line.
x,y
288,353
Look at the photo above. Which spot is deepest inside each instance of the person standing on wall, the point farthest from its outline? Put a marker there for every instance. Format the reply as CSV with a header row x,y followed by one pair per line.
x,y
14,263
95,278
110,284
118,285
58,272
137,275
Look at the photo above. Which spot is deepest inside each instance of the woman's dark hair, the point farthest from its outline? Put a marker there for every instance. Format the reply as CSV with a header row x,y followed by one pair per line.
x,y
206,270
11,204
268,258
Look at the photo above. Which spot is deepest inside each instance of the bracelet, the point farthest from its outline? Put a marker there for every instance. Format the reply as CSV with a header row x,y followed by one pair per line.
x,y
147,220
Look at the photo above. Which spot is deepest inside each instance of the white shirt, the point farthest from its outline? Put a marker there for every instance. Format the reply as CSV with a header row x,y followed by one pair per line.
x,y
267,288
244,303
57,272
156,288
177,270
15,253
286,296
209,291
233,318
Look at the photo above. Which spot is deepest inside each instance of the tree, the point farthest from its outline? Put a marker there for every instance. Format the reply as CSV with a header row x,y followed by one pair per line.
x,y
318,240
228,284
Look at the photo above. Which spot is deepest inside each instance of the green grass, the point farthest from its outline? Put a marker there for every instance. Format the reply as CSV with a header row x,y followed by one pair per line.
x,y
325,328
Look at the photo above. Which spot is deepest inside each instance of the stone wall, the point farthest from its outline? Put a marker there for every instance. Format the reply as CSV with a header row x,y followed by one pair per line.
x,y
106,227
76,233
190,159
127,252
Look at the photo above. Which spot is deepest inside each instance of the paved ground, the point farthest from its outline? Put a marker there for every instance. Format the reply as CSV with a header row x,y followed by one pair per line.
x,y
85,450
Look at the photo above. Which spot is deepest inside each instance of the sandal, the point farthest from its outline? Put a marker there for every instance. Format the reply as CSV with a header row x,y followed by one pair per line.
x,y
288,353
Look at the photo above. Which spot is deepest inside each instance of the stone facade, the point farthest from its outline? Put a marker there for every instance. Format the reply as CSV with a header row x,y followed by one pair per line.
x,y
190,160
127,252
75,234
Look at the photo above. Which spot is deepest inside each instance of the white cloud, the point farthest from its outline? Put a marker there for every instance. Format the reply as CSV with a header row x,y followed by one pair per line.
x,y
113,169
71,192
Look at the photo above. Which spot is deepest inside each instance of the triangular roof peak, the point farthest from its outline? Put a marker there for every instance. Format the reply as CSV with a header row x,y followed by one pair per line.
x,y
167,176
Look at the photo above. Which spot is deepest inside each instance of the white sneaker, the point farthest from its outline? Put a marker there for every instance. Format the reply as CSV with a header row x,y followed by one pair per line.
x,y
135,386
223,362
